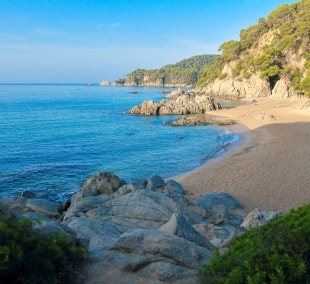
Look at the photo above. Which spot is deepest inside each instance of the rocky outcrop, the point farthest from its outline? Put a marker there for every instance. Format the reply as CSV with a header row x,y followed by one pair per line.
x,y
42,206
258,217
143,232
146,231
283,89
229,88
202,120
181,104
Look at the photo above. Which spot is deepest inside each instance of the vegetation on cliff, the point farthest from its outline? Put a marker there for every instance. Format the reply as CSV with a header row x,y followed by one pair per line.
x,y
29,257
276,47
185,72
276,252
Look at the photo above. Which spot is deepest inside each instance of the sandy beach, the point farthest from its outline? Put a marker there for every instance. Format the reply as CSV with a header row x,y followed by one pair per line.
x,y
269,168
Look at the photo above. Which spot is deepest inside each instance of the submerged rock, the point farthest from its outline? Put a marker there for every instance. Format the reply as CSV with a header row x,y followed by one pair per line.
x,y
201,120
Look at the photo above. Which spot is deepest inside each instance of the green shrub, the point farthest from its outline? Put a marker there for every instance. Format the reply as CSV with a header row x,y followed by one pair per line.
x,y
276,252
29,257
305,85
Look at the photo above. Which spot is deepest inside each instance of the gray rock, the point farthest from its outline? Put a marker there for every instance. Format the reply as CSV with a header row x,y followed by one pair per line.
x,y
164,246
258,217
140,209
148,231
168,272
177,225
221,208
218,236
209,201
16,206
219,214
42,206
156,183
144,204
102,183
48,228
79,206
125,189
37,217
139,183
175,191
101,242
88,228
111,266
27,194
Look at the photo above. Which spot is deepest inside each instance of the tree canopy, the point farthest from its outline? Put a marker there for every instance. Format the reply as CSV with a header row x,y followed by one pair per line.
x,y
267,47
184,72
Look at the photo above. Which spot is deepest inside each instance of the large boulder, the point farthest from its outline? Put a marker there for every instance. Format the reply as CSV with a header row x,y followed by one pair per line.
x,y
142,208
80,206
283,89
146,256
257,217
178,225
222,208
146,108
42,206
163,245
102,183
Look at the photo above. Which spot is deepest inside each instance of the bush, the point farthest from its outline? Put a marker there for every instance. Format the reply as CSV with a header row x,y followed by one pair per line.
x,y
29,257
276,252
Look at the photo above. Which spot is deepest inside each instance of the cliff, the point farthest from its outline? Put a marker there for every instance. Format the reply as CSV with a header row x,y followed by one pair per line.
x,y
270,59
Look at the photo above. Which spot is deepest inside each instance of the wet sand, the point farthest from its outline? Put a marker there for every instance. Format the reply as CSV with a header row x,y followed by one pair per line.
x,y
269,168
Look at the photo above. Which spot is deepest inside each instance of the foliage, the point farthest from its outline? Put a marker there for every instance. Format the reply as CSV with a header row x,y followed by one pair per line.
x,y
29,257
276,252
119,81
305,85
249,36
230,50
285,31
184,72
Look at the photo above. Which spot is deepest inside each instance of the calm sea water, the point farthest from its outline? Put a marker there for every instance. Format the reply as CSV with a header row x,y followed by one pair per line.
x,y
54,137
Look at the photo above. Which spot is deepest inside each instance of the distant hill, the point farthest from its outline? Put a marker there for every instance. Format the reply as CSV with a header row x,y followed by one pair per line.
x,y
183,73
274,53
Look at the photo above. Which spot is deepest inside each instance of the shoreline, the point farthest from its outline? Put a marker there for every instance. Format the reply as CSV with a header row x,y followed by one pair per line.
x,y
226,150
267,167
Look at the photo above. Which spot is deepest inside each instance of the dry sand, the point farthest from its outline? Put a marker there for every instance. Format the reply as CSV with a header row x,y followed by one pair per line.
x,y
269,168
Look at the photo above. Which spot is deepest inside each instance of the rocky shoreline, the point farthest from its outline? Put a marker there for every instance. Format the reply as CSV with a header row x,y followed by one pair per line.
x,y
147,231
191,105
178,102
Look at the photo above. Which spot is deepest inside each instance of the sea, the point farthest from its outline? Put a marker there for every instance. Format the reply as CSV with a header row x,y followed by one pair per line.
x,y
54,137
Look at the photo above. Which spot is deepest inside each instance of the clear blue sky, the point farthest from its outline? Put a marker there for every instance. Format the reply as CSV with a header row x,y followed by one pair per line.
x,y
81,41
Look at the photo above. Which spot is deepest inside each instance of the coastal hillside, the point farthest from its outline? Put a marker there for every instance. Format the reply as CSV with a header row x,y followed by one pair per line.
x,y
184,73
272,57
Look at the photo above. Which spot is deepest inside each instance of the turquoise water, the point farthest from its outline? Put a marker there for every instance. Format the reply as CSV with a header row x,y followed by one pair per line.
x,y
53,137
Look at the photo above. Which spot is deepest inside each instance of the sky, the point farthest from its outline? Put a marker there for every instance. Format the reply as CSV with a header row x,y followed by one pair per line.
x,y
87,41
